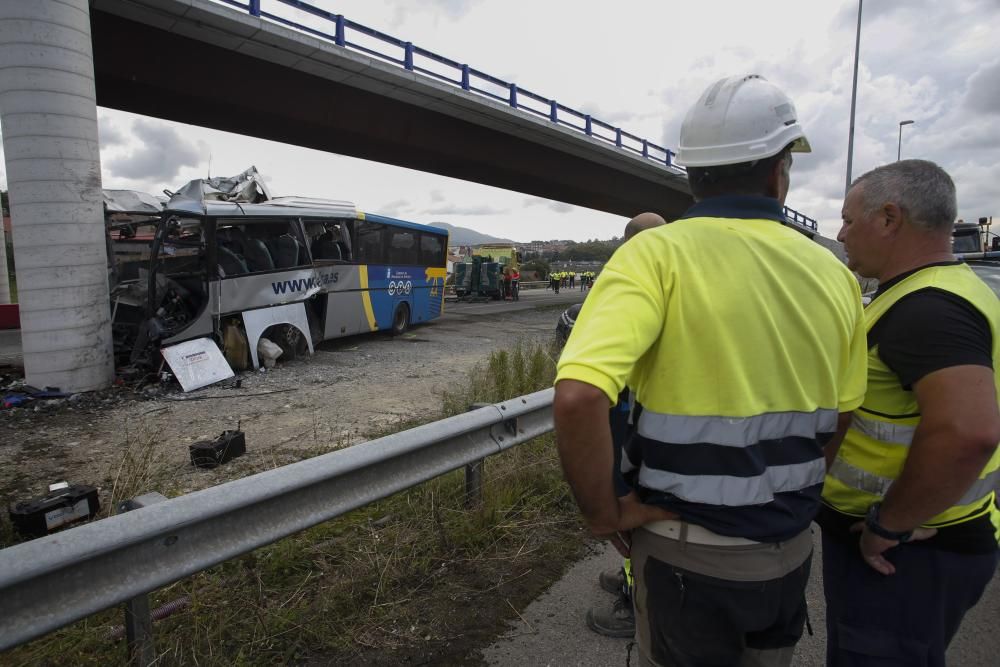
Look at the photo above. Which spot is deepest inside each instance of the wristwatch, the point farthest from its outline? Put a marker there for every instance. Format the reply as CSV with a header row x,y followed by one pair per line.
x,y
871,522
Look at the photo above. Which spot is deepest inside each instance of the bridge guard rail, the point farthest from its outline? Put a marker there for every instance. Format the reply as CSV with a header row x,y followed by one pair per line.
x,y
55,580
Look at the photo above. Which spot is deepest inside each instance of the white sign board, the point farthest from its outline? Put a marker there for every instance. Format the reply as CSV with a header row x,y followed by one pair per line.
x,y
197,363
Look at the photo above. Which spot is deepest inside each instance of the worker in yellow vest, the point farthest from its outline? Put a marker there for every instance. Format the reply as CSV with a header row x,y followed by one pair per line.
x,y
910,520
618,619
745,343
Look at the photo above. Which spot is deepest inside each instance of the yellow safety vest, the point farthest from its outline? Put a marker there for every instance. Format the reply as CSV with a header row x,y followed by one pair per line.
x,y
874,451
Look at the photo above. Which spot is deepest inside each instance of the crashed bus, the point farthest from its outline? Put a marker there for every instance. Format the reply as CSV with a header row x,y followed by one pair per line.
x,y
224,261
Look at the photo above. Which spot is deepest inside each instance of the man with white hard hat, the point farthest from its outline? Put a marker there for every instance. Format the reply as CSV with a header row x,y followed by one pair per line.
x,y
744,342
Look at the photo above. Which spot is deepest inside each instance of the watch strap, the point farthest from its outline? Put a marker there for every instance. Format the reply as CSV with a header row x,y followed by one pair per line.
x,y
871,522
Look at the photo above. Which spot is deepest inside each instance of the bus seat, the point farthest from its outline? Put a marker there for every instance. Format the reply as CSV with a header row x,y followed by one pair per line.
x,y
234,239
325,248
288,252
258,256
231,263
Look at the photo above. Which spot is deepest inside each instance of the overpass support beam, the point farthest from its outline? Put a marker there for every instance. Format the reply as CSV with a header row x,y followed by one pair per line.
x,y
48,114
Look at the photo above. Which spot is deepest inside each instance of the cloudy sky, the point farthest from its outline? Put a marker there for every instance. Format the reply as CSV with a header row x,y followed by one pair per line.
x,y
640,64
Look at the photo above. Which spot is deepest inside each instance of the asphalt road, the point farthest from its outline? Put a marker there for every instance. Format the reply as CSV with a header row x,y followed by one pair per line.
x,y
535,298
553,632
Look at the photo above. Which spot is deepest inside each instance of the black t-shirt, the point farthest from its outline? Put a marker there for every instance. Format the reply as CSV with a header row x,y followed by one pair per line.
x,y
923,332
928,330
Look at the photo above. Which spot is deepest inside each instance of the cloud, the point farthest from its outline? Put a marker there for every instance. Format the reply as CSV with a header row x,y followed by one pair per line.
x,y
452,209
557,206
437,195
455,9
108,132
395,208
160,157
452,9
983,93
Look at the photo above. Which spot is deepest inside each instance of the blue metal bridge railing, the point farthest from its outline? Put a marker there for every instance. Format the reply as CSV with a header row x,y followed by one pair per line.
x,y
347,34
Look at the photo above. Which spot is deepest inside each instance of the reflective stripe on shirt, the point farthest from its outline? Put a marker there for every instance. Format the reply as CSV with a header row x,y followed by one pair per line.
x,y
869,482
735,491
735,431
897,434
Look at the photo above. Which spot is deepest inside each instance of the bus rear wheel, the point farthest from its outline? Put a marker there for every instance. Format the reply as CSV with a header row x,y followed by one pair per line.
x,y
291,341
401,320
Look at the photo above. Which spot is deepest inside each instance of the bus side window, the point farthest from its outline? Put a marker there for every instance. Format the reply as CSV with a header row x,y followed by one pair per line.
x,y
431,250
402,247
369,243
328,243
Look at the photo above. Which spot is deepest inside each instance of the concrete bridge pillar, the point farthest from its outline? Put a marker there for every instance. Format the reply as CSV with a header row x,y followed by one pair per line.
x,y
48,113
4,281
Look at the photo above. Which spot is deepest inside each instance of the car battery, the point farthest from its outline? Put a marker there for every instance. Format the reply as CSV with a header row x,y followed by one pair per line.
x,y
64,504
213,453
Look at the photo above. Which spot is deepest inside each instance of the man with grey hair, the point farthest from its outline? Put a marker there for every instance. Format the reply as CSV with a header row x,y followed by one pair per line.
x,y
910,520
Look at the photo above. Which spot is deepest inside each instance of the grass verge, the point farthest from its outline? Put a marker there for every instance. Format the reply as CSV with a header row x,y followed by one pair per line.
x,y
416,578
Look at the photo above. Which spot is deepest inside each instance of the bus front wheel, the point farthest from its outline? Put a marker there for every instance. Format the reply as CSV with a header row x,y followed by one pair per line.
x,y
401,319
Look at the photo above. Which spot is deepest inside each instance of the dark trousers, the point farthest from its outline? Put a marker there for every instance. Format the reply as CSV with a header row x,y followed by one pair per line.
x,y
694,619
907,618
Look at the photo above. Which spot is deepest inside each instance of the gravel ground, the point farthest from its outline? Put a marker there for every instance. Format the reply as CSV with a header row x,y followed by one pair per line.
x,y
349,389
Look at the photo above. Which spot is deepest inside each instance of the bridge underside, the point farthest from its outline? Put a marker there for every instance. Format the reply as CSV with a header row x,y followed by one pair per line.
x,y
153,72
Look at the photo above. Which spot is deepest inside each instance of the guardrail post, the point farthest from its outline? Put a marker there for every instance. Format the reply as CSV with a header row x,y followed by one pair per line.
x,y
139,632
669,155
474,473
513,95
138,621
553,111
618,137
474,484
408,55
254,7
587,126
465,77
645,148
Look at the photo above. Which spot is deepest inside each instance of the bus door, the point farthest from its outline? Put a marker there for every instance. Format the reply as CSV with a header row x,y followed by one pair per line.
x,y
179,295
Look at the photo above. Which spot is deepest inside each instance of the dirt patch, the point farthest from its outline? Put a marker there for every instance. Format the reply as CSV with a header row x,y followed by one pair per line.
x,y
348,390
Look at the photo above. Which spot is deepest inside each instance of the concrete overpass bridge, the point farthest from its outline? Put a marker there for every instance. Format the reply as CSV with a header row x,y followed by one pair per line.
x,y
291,73
316,79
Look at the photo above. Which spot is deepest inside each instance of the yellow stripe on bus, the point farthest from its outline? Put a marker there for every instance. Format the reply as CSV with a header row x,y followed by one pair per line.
x,y
366,298
433,275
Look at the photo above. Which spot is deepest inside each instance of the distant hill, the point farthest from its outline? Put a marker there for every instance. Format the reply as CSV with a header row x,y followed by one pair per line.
x,y
466,236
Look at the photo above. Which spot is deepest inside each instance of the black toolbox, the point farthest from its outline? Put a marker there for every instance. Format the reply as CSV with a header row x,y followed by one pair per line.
x,y
213,453
63,505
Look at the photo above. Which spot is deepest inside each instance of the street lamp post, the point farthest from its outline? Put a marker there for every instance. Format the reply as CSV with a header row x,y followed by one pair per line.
x,y
854,98
899,147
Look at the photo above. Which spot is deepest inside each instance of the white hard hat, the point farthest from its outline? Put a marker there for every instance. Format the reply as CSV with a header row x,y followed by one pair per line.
x,y
739,119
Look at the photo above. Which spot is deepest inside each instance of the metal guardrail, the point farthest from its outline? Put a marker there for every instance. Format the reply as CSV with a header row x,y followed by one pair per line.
x,y
421,61
55,580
